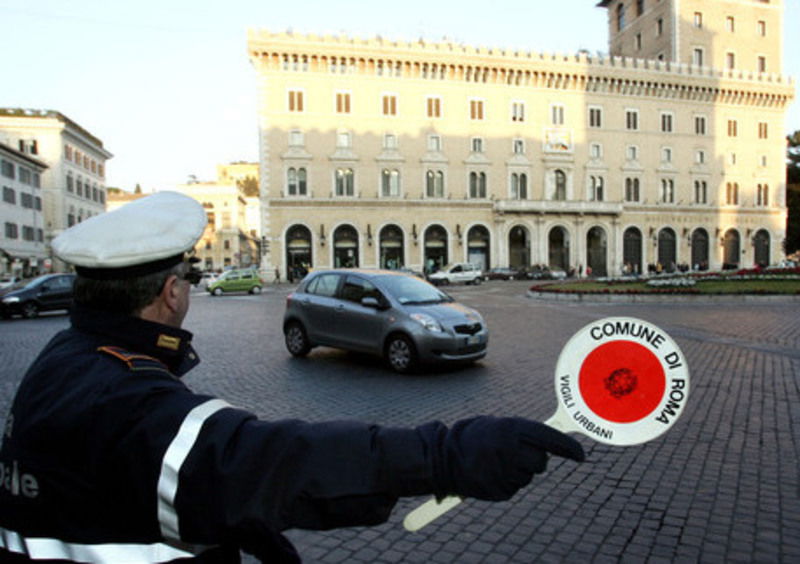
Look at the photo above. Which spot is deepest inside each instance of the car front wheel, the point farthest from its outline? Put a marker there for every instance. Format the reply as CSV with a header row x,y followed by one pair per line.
x,y
401,354
255,290
296,339
29,310
217,291
477,281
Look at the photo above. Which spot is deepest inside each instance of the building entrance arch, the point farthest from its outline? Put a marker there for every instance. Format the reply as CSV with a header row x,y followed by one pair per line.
x,y
597,251
478,247
298,252
345,247
700,249
731,252
519,247
558,249
761,247
391,247
435,250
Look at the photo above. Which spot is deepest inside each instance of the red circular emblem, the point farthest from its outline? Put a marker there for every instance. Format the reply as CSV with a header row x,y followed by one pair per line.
x,y
622,381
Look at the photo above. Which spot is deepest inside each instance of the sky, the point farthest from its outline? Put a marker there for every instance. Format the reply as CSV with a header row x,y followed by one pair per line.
x,y
168,87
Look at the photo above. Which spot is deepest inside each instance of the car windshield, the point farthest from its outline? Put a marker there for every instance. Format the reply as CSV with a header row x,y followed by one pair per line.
x,y
412,291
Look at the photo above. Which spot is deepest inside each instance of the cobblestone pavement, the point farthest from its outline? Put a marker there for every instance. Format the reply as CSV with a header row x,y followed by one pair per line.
x,y
720,486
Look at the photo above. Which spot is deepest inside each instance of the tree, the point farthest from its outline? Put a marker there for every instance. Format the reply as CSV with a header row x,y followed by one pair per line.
x,y
248,185
138,189
792,242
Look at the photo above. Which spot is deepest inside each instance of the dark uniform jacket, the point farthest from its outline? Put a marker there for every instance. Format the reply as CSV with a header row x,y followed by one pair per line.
x,y
108,457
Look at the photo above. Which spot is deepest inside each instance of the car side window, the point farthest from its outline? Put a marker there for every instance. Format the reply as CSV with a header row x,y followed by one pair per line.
x,y
324,285
355,289
456,269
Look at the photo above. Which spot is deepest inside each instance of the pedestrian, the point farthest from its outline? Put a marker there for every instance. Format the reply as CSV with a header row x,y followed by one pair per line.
x,y
277,275
108,456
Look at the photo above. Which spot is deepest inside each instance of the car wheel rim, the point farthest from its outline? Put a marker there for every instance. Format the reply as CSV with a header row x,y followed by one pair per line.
x,y
399,354
295,339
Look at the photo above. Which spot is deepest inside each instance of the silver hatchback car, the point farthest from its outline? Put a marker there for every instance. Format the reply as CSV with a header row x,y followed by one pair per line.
x,y
400,317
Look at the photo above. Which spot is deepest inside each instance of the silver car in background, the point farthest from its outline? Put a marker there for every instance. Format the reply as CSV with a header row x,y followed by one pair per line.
x,y
397,316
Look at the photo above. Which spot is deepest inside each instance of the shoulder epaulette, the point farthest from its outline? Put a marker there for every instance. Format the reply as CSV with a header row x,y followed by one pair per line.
x,y
135,361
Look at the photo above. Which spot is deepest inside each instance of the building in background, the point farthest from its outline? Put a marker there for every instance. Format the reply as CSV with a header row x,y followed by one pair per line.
x,y
23,252
73,184
384,153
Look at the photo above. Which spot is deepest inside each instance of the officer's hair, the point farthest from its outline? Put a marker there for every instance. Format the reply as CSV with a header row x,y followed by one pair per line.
x,y
127,296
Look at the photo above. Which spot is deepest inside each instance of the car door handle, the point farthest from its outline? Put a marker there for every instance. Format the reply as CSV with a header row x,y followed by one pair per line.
x,y
340,308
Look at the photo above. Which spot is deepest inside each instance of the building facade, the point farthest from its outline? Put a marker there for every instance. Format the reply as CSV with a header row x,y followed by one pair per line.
x,y
73,184
22,248
388,154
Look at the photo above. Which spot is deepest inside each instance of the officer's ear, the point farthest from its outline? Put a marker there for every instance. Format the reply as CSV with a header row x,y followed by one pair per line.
x,y
170,293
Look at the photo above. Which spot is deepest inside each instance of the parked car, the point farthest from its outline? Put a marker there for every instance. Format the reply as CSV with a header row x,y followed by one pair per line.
x,y
504,273
461,272
238,280
207,279
398,316
49,292
8,281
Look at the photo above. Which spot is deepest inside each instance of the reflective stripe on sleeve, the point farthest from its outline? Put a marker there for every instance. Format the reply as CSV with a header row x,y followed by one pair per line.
x,y
53,549
176,454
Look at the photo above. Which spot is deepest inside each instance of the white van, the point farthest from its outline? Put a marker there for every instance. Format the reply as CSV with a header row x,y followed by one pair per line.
x,y
460,272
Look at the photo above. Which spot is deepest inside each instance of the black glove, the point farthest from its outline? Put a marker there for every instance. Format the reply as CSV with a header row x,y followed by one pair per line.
x,y
492,457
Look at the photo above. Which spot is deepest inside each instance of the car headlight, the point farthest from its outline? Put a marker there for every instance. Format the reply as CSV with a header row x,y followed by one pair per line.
x,y
427,322
11,300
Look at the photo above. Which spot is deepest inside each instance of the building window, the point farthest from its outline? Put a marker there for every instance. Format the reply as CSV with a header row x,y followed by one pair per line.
x,y
632,120
344,182
9,195
764,160
342,102
434,143
477,144
295,100
343,140
390,183
70,183
434,107
698,20
476,109
595,117
730,24
26,200
519,186
560,193
659,27
557,114
667,190
390,141
631,189
390,105
28,233
666,154
296,181
477,184
518,111
697,56
434,184
700,125
12,231
639,7
518,146
620,16
762,64
762,130
733,128
7,169
732,193
761,28
632,153
700,157
700,192
596,150
762,195
732,159
596,188
666,122
296,138
730,61
638,41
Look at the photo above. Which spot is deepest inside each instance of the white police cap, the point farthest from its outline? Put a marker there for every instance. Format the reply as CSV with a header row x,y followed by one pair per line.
x,y
145,236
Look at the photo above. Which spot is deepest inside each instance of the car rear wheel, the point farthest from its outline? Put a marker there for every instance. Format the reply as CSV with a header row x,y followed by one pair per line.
x,y
255,290
296,339
30,310
217,291
401,354
477,281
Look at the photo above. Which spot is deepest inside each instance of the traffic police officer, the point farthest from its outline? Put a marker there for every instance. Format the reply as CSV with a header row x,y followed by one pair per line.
x,y
108,457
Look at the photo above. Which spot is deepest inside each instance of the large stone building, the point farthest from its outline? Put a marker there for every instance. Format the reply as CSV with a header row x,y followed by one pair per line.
x,y
386,153
73,184
22,248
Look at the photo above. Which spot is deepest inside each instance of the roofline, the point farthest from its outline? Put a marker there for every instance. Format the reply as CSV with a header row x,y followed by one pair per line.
x,y
30,113
23,156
